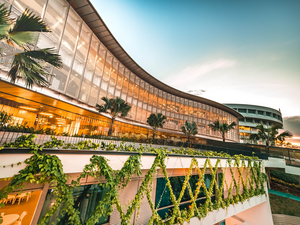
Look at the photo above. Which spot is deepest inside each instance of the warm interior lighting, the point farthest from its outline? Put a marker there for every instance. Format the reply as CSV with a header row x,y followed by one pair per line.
x,y
28,108
46,114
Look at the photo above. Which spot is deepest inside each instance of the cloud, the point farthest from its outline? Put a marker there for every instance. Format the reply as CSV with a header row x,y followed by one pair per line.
x,y
292,124
192,73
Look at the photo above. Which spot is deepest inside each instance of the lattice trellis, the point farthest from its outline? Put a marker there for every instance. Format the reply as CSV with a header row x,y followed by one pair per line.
x,y
116,181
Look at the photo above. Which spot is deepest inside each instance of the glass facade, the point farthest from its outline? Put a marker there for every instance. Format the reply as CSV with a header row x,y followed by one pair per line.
x,y
91,72
86,198
163,202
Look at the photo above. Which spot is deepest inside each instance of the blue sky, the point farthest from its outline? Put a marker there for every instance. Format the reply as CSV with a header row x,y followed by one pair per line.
x,y
237,51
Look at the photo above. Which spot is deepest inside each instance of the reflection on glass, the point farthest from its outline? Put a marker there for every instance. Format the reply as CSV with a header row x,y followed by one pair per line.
x,y
55,18
86,198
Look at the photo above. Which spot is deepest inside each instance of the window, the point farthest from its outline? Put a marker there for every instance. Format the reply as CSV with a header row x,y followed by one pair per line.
x,y
163,201
242,110
251,111
268,113
241,120
249,120
86,198
257,121
260,112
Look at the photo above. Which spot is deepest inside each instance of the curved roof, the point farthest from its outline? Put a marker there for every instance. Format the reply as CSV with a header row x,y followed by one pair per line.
x,y
91,17
249,106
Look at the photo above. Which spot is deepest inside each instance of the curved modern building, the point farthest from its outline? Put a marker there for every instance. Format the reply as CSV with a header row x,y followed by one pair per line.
x,y
94,66
253,115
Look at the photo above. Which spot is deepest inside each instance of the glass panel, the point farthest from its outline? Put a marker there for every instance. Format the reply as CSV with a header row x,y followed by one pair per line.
x,y
37,6
113,77
104,85
120,77
131,85
5,2
108,67
101,95
89,69
146,93
155,97
80,61
86,198
136,87
67,51
125,86
55,18
99,66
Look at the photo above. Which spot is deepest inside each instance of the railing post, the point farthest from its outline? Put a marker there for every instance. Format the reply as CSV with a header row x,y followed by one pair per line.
x,y
289,157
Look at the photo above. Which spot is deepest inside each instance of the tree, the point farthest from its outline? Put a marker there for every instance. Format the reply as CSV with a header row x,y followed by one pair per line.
x,y
189,129
156,121
270,135
222,127
21,34
115,107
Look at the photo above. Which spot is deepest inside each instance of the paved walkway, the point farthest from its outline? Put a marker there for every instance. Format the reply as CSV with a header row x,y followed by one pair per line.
x,y
293,197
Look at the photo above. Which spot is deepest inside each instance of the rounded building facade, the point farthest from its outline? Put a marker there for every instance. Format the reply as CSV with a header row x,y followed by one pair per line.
x,y
254,115
94,66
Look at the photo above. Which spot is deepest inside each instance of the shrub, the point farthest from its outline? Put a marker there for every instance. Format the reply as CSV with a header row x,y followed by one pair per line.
x,y
289,178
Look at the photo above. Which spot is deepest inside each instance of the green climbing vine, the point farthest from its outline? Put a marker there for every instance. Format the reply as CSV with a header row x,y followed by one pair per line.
x,y
43,168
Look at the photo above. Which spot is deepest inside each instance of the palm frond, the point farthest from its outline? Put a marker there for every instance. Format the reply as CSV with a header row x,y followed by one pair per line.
x,y
101,108
286,134
26,29
189,128
116,107
4,19
47,55
232,126
156,121
29,70
254,137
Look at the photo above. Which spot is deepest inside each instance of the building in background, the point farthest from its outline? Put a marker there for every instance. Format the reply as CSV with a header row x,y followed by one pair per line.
x,y
254,115
94,66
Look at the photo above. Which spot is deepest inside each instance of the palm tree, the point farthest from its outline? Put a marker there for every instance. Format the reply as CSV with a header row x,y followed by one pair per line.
x,y
189,129
222,127
21,34
156,121
270,135
116,107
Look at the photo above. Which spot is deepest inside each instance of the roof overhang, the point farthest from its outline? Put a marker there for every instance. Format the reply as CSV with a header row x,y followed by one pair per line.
x,y
91,17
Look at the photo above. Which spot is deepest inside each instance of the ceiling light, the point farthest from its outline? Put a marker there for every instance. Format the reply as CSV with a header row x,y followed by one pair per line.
x,y
28,108
46,114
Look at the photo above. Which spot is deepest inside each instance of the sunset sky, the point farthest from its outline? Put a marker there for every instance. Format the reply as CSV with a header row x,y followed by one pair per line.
x,y
235,51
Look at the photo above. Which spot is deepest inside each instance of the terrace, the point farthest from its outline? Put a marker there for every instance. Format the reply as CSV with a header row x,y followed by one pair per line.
x,y
96,183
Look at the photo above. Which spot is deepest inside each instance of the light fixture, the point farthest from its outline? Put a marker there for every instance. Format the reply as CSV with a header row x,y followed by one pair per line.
x,y
28,108
46,114
61,119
